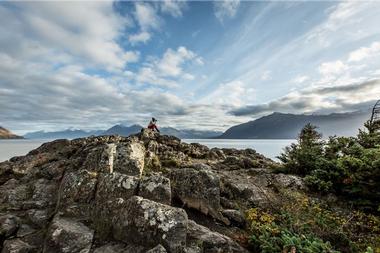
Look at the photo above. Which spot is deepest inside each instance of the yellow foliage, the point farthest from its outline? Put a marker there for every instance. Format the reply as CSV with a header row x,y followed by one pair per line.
x,y
258,219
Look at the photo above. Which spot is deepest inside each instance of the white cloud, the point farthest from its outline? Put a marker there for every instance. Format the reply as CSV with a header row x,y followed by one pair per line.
x,y
319,99
233,93
146,16
81,31
72,98
188,76
173,7
300,79
147,75
139,37
332,68
266,75
365,52
346,20
225,9
131,56
169,69
171,62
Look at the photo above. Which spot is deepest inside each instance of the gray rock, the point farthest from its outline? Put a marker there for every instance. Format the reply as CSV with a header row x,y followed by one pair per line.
x,y
129,158
38,217
247,191
145,222
8,225
14,194
209,241
216,154
44,194
116,185
76,193
25,230
98,158
68,236
112,191
198,189
17,246
158,249
235,216
289,181
156,187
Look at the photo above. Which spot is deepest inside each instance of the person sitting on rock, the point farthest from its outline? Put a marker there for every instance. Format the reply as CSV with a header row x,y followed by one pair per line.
x,y
152,125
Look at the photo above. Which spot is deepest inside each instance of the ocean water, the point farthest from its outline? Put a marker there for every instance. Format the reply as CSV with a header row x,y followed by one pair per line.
x,y
269,148
11,148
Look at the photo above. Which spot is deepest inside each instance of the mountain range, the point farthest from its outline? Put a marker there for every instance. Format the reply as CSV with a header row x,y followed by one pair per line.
x,y
6,134
123,131
287,126
274,126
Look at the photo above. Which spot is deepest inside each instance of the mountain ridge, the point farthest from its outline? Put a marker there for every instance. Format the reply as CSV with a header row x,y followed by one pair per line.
x,y
122,130
6,134
287,126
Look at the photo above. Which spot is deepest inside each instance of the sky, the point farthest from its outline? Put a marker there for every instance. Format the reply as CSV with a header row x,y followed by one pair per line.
x,y
192,65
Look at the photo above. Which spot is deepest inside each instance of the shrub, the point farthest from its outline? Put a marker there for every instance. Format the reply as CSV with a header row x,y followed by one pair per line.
x,y
349,167
300,158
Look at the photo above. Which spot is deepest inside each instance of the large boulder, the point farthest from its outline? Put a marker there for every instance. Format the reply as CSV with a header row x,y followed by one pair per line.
x,y
112,191
198,189
129,158
209,241
125,157
247,190
116,185
76,193
156,187
148,223
68,236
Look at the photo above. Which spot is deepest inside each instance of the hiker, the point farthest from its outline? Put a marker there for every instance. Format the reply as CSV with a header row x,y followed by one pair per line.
x,y
152,125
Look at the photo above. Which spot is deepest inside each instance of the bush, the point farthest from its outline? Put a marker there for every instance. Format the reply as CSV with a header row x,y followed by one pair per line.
x,y
349,167
300,158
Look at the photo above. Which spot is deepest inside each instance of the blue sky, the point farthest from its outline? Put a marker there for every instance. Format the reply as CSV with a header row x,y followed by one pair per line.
x,y
199,65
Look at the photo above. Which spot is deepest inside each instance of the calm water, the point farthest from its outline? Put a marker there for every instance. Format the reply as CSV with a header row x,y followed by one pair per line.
x,y
11,148
269,148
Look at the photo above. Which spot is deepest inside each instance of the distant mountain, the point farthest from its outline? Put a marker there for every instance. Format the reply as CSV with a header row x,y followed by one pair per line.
x,y
190,133
6,134
123,131
287,126
65,134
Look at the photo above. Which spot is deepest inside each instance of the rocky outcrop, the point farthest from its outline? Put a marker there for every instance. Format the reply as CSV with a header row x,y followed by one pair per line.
x,y
6,134
114,194
198,189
